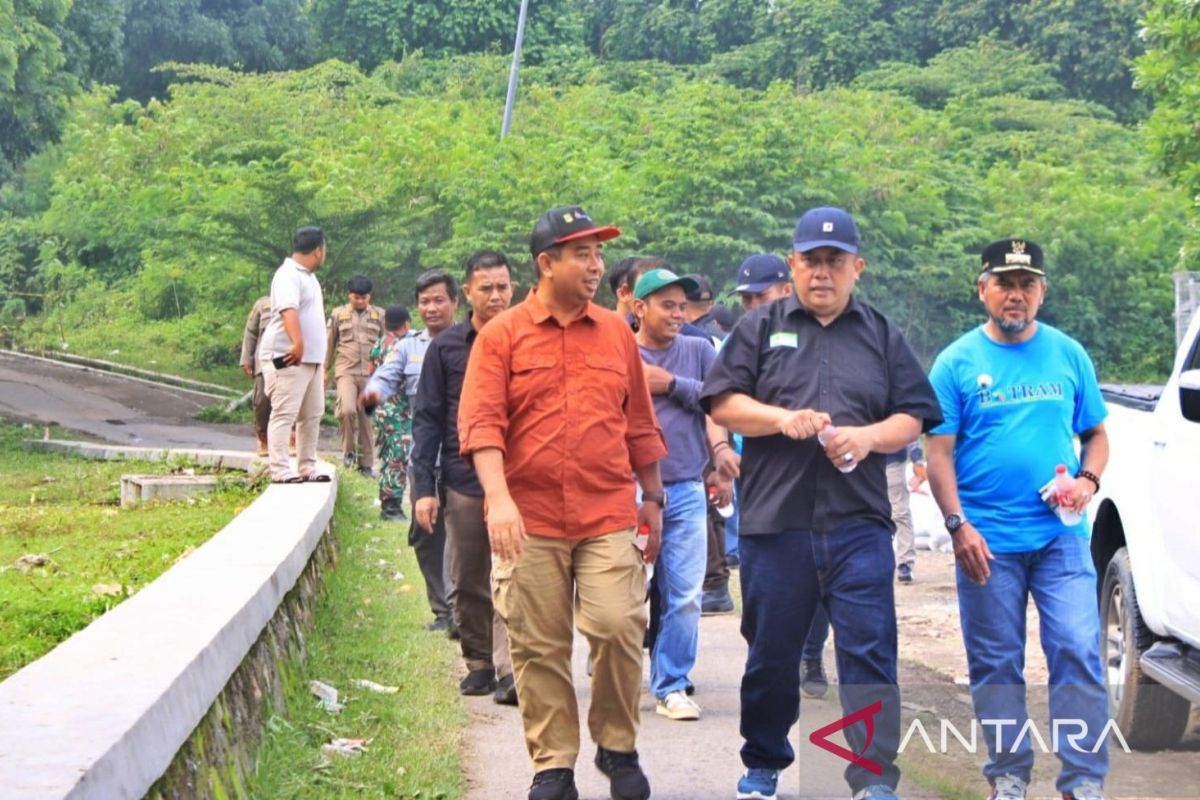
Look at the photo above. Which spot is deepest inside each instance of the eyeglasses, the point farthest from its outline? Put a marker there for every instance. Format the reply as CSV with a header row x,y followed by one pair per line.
x,y
831,263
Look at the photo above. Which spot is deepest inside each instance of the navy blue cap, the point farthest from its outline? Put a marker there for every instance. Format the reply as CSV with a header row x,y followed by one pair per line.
x,y
758,272
825,227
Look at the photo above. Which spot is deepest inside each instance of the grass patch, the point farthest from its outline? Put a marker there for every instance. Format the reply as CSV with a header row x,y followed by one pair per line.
x,y
68,510
368,624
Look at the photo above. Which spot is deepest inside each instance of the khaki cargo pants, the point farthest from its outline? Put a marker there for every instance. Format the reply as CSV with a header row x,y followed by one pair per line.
x,y
599,584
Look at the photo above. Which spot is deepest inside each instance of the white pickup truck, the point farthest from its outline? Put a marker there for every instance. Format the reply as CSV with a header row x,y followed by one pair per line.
x,y
1146,545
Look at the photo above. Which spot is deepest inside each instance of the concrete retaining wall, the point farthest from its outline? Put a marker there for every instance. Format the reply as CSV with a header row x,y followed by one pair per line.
x,y
107,713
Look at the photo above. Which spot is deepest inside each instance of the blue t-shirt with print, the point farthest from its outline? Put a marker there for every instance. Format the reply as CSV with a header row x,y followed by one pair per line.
x,y
1015,410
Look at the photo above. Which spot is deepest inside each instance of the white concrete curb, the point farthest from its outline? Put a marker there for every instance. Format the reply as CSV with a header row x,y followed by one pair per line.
x,y
104,713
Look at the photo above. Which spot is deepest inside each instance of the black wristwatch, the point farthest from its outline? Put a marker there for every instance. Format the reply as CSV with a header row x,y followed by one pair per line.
x,y
954,522
658,498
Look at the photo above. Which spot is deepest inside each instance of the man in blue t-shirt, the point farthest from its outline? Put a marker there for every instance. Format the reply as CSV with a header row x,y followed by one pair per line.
x,y
1014,395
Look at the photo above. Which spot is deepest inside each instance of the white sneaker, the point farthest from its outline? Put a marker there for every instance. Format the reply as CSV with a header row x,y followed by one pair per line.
x,y
1008,787
677,705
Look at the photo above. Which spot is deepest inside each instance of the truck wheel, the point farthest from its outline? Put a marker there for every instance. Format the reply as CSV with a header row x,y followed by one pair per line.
x,y
1150,716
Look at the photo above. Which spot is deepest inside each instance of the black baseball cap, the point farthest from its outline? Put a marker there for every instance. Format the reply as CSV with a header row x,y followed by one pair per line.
x,y
1010,255
703,292
565,224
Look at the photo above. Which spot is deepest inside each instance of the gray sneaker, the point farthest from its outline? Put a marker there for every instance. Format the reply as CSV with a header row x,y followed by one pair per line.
x,y
1086,790
1008,787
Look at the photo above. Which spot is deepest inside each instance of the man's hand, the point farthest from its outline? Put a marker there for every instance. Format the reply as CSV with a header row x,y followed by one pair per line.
x,y
506,529
426,513
919,476
1080,495
649,524
972,552
249,370
368,399
852,440
658,378
802,423
723,486
727,462
295,353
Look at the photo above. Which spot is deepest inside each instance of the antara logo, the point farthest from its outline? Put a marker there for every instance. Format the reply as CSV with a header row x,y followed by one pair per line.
x,y
820,737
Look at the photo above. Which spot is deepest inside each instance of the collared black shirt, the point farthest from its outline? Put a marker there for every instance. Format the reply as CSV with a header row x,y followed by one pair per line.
x,y
435,415
858,369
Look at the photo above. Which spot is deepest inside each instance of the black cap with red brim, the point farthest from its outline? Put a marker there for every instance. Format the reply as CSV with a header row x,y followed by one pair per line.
x,y
561,225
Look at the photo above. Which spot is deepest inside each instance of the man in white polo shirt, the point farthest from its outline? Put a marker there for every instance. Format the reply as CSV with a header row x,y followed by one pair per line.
x,y
292,353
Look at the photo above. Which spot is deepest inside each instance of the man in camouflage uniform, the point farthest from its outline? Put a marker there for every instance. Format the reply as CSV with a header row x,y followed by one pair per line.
x,y
393,421
256,323
353,329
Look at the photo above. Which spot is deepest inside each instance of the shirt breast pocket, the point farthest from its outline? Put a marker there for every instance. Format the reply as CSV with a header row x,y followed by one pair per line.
x,y
532,382
606,384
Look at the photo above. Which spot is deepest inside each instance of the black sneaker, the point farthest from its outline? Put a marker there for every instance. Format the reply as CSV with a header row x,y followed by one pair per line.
x,y
439,624
626,781
554,784
367,472
716,601
349,460
506,691
814,683
478,682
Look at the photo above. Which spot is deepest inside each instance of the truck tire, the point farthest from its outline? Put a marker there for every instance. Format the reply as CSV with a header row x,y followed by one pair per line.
x,y
1149,715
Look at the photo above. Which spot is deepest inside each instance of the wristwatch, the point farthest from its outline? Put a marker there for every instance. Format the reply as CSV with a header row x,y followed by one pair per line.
x,y
658,498
954,522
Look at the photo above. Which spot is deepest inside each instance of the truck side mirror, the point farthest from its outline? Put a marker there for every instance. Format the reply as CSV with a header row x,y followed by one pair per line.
x,y
1189,394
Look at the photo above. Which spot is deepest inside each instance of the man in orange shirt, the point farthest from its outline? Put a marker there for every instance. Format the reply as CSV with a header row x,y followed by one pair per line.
x,y
556,416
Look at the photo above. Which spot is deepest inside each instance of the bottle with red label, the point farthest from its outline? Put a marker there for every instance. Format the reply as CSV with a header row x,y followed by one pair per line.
x,y
1063,486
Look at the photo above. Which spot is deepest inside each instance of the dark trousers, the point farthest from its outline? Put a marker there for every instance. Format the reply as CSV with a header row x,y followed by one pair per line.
x,y
785,577
716,572
431,558
469,557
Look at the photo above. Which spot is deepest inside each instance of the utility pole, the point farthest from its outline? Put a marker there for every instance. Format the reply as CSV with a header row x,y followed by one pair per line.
x,y
516,68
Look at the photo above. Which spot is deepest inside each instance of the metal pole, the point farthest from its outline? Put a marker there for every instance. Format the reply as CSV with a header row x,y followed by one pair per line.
x,y
516,68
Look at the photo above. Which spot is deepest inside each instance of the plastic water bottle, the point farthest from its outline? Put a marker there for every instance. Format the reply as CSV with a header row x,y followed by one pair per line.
x,y
726,511
825,436
1063,484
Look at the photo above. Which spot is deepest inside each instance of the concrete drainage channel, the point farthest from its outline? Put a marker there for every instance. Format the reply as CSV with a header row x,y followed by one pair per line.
x,y
165,696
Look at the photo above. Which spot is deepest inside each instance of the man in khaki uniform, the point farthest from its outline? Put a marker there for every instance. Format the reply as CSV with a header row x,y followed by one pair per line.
x,y
256,323
353,330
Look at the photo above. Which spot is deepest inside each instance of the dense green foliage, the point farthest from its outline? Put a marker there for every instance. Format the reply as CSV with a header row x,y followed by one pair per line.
x,y
175,213
703,128
1171,73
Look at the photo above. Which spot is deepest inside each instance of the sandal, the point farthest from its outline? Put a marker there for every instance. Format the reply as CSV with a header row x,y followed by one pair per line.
x,y
290,478
316,477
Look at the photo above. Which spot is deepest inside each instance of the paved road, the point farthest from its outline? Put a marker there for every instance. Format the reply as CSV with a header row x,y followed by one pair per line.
x,y
111,407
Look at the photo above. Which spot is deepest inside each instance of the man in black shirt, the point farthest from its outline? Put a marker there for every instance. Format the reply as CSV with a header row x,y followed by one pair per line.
x,y
488,288
812,534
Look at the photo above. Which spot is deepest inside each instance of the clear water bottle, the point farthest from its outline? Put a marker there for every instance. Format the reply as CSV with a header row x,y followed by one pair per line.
x,y
726,511
825,436
1063,484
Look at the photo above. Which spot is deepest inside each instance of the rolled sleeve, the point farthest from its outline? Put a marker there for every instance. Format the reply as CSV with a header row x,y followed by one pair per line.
x,y
483,410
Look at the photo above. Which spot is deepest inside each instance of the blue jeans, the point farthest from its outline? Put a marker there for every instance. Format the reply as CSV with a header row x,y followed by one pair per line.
x,y
1062,580
731,524
678,577
818,632
786,577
